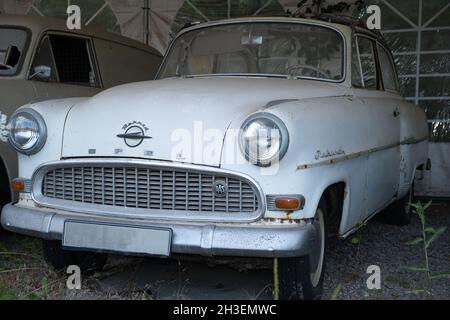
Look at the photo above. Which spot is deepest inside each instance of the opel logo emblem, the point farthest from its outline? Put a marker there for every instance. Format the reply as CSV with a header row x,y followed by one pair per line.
x,y
220,188
134,135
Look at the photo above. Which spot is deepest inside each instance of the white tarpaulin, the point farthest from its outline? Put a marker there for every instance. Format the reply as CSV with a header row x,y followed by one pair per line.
x,y
131,14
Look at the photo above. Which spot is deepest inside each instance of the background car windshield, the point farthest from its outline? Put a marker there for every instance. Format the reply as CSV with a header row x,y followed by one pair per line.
x,y
12,43
269,49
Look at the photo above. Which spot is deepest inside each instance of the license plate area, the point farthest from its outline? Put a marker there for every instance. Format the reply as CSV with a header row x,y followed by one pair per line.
x,y
127,239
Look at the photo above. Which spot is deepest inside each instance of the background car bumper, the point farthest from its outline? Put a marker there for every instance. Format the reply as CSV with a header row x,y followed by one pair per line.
x,y
289,240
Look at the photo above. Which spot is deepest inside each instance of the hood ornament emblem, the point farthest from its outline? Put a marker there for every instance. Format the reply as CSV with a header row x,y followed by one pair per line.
x,y
135,133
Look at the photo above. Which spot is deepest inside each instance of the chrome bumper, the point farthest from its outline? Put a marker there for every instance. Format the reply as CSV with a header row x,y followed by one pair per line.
x,y
238,239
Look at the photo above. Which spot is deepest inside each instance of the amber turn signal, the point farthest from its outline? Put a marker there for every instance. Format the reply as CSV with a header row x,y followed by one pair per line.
x,y
286,203
18,184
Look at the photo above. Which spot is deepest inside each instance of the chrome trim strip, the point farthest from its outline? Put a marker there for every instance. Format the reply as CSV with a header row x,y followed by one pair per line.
x,y
360,153
139,213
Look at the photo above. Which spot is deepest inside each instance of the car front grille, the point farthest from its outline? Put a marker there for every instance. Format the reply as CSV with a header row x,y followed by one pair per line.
x,y
147,187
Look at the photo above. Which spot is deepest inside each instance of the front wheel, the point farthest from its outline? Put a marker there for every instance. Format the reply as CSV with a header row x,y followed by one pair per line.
x,y
302,277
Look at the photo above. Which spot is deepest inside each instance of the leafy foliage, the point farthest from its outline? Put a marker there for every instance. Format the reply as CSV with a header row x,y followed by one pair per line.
x,y
428,236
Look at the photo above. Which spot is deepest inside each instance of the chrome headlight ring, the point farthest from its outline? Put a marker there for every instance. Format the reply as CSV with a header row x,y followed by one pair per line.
x,y
28,131
264,139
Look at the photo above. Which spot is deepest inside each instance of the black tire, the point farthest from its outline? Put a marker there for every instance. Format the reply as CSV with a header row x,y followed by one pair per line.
x,y
60,259
399,212
296,278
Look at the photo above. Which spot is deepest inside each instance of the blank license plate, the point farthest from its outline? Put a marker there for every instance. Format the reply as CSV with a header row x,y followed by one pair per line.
x,y
117,238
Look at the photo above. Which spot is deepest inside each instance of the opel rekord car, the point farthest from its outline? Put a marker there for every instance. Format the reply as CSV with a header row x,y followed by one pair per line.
x,y
261,137
41,59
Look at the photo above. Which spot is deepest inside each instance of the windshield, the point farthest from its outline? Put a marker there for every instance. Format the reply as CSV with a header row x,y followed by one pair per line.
x,y
12,49
258,49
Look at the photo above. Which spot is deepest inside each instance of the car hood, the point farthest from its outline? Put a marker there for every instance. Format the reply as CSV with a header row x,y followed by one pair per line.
x,y
174,112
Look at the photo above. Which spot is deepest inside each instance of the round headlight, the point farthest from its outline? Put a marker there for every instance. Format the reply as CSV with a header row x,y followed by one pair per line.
x,y
264,139
28,131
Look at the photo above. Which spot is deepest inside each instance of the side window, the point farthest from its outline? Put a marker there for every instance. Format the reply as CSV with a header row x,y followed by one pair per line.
x,y
69,59
387,70
367,75
44,57
73,60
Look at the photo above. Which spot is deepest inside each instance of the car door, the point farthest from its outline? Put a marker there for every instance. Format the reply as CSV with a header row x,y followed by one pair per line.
x,y
383,148
73,71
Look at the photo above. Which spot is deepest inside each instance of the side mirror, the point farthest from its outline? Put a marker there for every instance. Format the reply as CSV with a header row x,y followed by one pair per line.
x,y
12,56
41,72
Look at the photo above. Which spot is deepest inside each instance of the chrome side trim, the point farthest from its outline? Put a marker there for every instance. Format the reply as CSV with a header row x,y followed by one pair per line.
x,y
139,213
354,155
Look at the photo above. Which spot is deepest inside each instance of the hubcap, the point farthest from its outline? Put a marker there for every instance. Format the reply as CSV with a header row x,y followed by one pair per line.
x,y
316,268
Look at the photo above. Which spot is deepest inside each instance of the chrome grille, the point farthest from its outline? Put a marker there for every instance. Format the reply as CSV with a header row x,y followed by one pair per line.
x,y
148,188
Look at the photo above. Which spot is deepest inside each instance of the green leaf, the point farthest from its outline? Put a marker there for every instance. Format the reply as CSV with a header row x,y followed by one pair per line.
x,y
440,276
336,292
426,206
430,230
414,242
415,205
421,215
416,269
435,236
417,291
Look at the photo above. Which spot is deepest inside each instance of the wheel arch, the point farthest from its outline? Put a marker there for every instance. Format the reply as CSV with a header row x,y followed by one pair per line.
x,y
336,197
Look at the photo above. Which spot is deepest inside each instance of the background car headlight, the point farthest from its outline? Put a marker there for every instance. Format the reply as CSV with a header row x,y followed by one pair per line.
x,y
264,139
28,131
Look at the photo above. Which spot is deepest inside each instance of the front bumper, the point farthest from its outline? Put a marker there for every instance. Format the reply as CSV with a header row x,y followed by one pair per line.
x,y
232,239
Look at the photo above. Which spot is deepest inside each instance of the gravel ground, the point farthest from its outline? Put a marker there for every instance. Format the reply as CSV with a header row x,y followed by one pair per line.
x,y
24,274
384,246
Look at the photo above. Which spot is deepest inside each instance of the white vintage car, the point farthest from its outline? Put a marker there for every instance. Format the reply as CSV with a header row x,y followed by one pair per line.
x,y
261,137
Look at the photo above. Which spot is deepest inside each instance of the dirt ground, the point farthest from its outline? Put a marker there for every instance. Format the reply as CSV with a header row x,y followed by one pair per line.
x,y
25,275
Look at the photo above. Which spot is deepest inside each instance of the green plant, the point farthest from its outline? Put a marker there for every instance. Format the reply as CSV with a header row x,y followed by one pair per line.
x,y
45,287
336,292
7,294
276,283
357,238
427,237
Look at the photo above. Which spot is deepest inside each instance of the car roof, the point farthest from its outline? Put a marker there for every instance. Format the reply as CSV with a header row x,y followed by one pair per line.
x,y
338,26
37,24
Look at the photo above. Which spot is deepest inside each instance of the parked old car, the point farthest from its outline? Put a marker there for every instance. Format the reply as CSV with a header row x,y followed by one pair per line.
x,y
41,59
323,141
